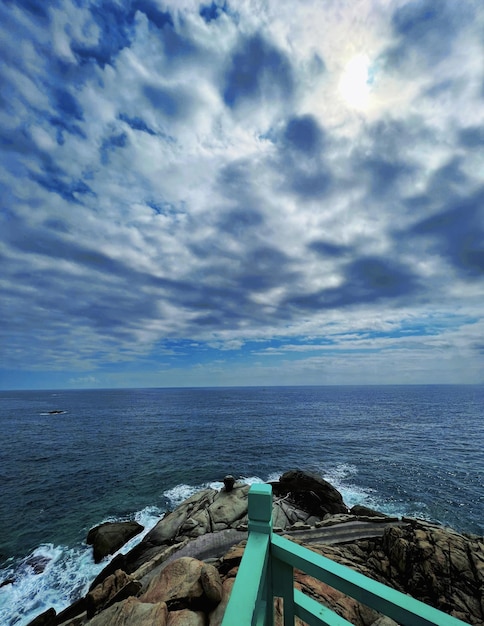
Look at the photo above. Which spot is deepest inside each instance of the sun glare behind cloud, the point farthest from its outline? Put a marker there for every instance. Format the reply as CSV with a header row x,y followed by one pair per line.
x,y
354,85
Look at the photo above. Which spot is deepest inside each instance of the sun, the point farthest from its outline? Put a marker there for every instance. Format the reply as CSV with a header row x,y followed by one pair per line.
x,y
354,85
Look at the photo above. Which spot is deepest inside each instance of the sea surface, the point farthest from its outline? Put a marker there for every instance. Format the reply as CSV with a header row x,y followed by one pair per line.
x,y
135,453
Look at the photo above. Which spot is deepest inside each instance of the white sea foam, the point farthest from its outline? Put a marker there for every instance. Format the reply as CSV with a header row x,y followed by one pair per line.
x,y
340,476
66,576
176,495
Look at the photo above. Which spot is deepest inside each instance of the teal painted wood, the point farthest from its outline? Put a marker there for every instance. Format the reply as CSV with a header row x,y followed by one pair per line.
x,y
314,613
260,509
283,587
246,597
266,571
251,601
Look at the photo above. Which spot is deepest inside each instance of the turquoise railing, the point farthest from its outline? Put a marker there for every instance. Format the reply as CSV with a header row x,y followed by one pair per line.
x,y
267,571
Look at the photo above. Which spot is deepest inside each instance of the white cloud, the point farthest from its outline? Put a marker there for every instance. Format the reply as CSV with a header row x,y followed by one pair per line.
x,y
162,195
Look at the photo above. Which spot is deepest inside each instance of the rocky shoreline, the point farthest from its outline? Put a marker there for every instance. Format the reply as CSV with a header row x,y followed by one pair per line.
x,y
182,571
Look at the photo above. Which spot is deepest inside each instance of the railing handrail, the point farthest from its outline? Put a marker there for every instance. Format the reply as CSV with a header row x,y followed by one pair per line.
x,y
267,571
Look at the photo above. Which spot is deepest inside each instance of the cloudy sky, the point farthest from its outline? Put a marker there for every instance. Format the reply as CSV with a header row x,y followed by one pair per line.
x,y
249,192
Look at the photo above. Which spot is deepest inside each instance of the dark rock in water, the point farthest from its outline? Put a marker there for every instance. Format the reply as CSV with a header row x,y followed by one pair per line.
x,y
110,536
37,563
7,581
119,562
364,511
310,492
47,618
56,412
72,611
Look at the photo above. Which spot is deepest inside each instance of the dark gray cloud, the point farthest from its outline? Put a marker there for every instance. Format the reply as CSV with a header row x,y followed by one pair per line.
x,y
114,141
426,31
257,70
303,133
472,137
241,222
174,103
365,280
328,249
300,160
457,232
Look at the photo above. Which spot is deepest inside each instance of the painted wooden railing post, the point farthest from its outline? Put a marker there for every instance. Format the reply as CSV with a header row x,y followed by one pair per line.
x,y
260,521
260,509
251,601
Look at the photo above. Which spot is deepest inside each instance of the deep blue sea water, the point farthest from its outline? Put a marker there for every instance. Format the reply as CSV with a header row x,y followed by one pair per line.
x,y
132,454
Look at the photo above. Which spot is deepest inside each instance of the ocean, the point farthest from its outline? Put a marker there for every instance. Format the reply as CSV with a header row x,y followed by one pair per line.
x,y
135,453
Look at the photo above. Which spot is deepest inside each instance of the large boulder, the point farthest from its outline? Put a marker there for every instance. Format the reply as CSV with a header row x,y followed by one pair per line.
x,y
132,612
438,566
110,536
310,492
217,615
116,587
47,618
205,512
185,617
186,583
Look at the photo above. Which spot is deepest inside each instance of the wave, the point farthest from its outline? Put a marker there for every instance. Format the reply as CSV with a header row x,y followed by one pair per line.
x,y
176,495
343,477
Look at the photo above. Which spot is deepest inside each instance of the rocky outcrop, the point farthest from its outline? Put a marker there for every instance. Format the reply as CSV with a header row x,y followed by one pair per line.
x,y
110,536
364,511
210,511
436,565
114,588
186,583
47,618
162,581
310,492
132,612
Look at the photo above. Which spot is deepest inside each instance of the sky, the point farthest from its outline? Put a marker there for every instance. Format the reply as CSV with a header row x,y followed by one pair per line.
x,y
241,192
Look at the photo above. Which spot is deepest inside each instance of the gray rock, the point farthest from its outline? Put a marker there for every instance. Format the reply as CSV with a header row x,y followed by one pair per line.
x,y
132,612
47,618
365,511
110,536
114,588
185,617
310,492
